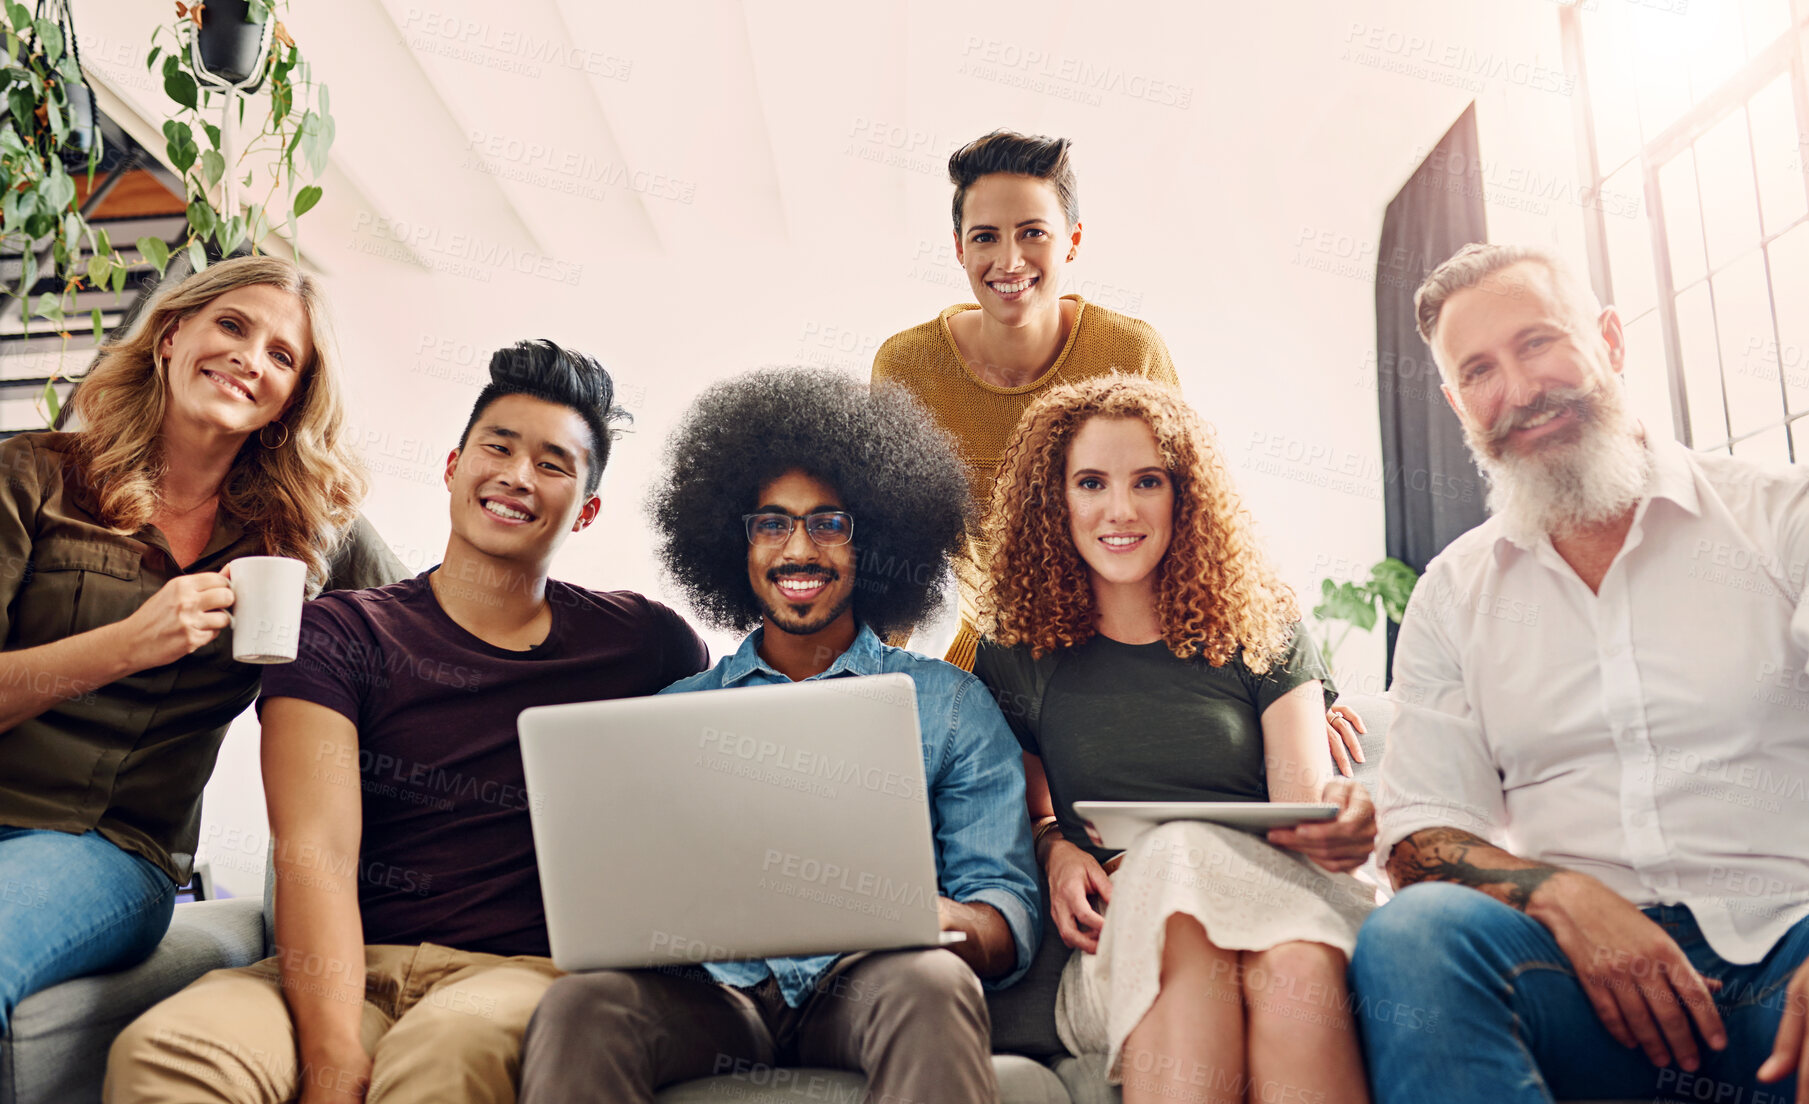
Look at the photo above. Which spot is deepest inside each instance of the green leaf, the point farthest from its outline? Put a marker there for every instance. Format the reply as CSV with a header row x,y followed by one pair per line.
x,y
197,256
231,233
150,59
50,40
119,277
256,11
54,115
28,277
58,190
49,306
183,151
213,134
213,164
1346,602
1393,582
156,251
99,268
100,331
306,199
19,16
50,393
102,243
10,142
180,86
72,229
202,218
317,157
24,103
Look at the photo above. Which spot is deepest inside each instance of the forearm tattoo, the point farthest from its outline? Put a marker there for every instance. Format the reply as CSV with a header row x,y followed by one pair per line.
x,y
1452,855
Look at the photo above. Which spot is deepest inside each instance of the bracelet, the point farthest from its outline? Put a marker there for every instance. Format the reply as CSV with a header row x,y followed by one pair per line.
x,y
1042,829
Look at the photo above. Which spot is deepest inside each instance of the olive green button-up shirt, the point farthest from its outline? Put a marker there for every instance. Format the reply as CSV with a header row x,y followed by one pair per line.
x,y
130,758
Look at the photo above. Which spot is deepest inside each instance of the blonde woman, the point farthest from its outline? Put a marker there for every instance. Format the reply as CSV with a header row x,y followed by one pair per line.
x,y
1142,648
214,430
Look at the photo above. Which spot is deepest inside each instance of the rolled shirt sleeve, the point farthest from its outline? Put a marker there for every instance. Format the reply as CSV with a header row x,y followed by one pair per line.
x,y
1438,770
982,829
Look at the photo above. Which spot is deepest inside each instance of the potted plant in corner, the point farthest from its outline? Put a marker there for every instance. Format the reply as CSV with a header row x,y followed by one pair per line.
x,y
1389,585
219,57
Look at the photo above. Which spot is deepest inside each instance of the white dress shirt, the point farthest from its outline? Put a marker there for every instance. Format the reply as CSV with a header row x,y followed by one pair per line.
x,y
1655,734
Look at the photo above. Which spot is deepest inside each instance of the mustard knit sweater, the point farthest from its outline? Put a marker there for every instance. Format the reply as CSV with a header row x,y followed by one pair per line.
x,y
981,417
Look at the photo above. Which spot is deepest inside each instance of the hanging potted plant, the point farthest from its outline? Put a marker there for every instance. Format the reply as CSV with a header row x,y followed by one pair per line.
x,y
233,41
215,59
47,125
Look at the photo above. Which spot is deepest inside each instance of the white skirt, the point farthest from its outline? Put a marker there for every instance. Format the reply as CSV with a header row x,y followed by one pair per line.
x,y
1246,893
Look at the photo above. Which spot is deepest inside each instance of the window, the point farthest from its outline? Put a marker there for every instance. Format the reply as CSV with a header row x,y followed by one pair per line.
x,y
1695,120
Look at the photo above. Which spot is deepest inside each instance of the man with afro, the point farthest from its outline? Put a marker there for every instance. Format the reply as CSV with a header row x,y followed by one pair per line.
x,y
821,515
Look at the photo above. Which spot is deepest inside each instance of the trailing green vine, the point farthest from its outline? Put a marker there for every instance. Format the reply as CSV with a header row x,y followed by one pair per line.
x,y
37,140
291,143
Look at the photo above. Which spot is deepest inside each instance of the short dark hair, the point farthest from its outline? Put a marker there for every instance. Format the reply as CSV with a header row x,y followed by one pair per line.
x,y
543,370
1007,151
893,467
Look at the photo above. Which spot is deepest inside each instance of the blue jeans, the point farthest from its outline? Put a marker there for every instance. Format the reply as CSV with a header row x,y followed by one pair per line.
x,y
73,905
1462,998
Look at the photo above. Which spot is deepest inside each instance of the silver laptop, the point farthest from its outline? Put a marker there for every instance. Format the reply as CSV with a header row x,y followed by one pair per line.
x,y
732,824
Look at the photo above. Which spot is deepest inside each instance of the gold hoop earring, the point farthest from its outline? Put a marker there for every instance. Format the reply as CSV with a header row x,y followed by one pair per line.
x,y
264,435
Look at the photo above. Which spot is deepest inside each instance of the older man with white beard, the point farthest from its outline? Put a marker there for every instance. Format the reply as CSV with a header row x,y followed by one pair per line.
x,y
1594,798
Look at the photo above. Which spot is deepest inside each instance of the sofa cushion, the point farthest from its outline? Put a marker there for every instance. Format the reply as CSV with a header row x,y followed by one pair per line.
x,y
56,1052
1023,1016
1021,1081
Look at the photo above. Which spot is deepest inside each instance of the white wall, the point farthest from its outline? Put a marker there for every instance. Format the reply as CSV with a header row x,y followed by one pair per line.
x,y
711,187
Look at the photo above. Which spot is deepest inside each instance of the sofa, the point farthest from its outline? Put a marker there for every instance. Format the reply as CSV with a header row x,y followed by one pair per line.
x,y
57,1049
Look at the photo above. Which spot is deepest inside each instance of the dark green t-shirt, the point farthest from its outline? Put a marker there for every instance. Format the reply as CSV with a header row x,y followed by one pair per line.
x,y
1133,722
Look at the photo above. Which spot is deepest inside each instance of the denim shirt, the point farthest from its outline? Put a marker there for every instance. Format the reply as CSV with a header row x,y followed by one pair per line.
x,y
975,780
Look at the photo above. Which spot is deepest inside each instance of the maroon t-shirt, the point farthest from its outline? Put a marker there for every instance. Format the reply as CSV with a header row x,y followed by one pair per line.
x,y
448,851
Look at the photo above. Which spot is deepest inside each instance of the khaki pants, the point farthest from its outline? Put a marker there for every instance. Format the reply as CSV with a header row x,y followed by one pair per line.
x,y
441,1025
914,1022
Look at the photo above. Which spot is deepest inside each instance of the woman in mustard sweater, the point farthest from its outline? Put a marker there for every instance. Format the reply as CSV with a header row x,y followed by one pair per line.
x,y
976,366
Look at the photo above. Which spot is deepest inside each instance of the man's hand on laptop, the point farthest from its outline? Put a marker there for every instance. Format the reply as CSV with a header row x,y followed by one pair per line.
x,y
989,947
1791,1051
1635,975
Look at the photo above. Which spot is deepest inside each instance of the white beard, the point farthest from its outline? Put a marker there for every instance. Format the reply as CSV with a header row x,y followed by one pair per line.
x,y
1569,485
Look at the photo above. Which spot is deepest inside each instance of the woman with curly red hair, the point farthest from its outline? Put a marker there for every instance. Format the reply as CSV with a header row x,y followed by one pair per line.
x,y
1143,648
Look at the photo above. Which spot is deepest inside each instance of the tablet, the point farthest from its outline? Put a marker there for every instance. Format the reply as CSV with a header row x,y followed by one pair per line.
x,y
1120,822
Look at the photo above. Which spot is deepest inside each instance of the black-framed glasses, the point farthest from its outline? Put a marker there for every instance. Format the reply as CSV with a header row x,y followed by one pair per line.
x,y
826,528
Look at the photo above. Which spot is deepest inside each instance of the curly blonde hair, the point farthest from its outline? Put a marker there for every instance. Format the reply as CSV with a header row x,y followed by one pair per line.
x,y
303,497
1216,591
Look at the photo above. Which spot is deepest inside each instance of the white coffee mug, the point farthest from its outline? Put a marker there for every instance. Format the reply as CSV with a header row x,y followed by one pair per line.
x,y
266,608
